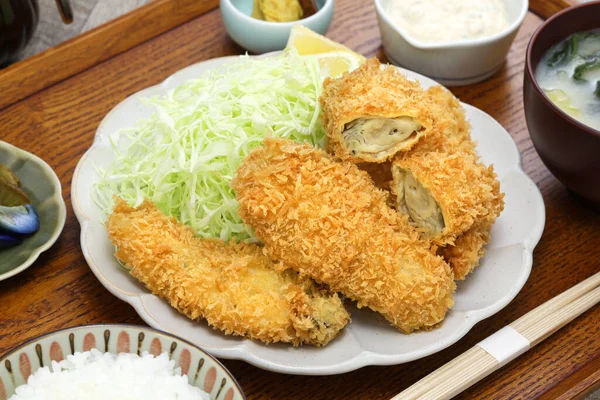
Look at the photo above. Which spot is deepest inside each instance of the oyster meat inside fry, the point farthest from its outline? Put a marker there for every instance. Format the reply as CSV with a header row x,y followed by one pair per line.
x,y
374,135
416,201
445,194
374,112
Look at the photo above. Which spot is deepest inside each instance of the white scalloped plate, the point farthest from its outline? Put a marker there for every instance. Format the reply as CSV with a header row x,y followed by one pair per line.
x,y
368,339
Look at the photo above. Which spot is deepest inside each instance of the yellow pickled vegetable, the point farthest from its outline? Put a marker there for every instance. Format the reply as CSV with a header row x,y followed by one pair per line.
x,y
256,12
277,10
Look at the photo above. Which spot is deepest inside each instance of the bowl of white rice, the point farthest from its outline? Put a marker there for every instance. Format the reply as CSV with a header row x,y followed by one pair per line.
x,y
115,362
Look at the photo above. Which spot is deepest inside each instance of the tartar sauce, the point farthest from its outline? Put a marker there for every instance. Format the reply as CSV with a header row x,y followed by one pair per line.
x,y
443,21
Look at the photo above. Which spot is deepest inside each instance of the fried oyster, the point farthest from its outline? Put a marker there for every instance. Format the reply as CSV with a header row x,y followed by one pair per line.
x,y
445,194
374,112
326,219
466,252
233,286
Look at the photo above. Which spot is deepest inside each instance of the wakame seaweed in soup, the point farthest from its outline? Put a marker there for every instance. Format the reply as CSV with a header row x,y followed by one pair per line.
x,y
569,74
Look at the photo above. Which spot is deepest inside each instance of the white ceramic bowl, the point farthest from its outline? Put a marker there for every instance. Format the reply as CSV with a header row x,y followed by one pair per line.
x,y
452,64
260,37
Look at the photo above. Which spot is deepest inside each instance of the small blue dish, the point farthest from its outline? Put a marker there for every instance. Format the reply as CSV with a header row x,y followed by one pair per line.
x,y
259,36
42,186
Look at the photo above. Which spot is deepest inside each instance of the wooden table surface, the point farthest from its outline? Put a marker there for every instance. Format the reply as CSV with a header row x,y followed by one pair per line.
x,y
58,123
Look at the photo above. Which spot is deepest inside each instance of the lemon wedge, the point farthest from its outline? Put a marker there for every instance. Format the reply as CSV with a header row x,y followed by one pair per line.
x,y
335,64
308,42
334,58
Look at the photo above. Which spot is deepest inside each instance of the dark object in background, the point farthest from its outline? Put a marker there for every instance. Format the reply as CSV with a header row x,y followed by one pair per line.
x,y
18,20
308,7
569,148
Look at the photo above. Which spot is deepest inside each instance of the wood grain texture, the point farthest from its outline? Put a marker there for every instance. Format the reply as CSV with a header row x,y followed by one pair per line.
x,y
534,327
546,8
55,64
575,388
59,290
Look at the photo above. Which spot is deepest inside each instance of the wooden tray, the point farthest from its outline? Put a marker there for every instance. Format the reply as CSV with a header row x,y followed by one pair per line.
x,y
91,48
52,103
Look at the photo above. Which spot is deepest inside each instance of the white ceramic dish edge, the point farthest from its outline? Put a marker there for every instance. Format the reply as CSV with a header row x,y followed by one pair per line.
x,y
452,64
365,358
513,26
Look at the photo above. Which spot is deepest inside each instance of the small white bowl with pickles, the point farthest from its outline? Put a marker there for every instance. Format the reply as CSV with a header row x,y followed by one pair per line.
x,y
455,63
258,36
41,185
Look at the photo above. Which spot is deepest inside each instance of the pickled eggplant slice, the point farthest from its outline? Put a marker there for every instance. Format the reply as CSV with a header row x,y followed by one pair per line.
x,y
20,220
11,196
7,241
373,134
9,176
416,201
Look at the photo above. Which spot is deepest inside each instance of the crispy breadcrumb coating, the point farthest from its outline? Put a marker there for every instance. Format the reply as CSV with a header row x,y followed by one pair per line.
x,y
469,229
466,191
231,285
466,252
326,219
450,131
373,90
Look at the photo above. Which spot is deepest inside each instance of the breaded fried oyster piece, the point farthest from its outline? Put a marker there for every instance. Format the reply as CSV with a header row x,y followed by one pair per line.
x,y
450,133
373,112
232,285
445,194
467,251
327,220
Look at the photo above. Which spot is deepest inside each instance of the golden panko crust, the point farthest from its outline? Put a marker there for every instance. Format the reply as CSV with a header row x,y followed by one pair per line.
x,y
466,252
377,91
467,191
326,219
450,131
231,285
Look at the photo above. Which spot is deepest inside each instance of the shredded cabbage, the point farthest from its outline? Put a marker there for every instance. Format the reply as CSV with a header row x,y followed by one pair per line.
x,y
184,156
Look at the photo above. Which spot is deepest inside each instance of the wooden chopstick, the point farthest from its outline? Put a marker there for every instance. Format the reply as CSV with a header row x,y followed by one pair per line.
x,y
547,8
557,302
535,326
546,326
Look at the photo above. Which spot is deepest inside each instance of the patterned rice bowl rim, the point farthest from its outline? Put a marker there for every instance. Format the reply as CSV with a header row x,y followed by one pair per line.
x,y
202,369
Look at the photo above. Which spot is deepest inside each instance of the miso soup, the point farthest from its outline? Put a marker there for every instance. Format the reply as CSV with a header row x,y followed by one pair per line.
x,y
569,74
